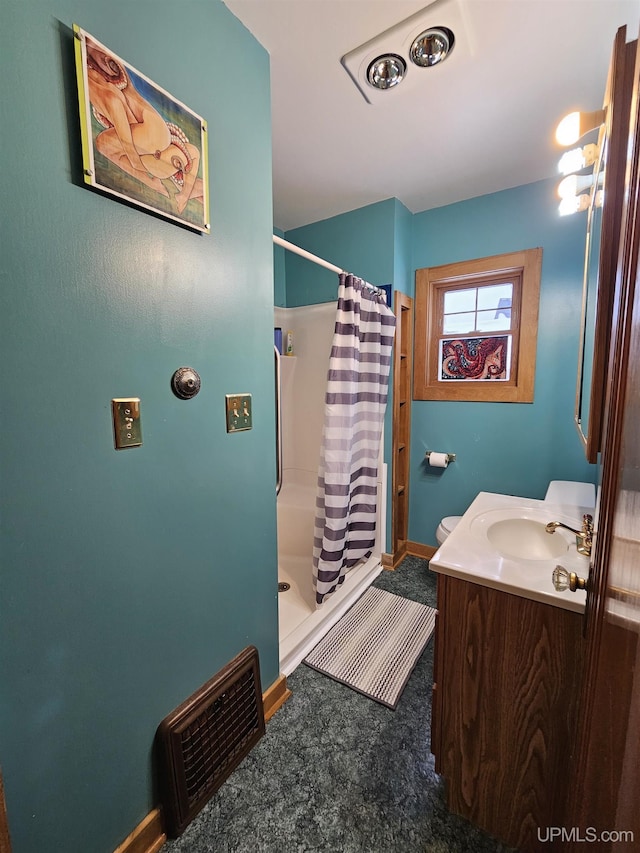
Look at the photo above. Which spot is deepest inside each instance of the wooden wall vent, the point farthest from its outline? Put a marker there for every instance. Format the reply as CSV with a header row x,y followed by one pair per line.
x,y
207,736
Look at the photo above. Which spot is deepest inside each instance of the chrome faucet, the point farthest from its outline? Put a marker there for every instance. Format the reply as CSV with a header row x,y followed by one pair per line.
x,y
583,537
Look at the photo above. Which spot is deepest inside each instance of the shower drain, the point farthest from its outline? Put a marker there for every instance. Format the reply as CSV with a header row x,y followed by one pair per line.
x,y
283,586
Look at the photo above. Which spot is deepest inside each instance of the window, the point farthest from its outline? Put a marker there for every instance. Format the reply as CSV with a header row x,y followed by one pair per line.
x,y
476,329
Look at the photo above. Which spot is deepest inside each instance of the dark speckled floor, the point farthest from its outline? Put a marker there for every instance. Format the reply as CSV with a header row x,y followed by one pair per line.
x,y
339,772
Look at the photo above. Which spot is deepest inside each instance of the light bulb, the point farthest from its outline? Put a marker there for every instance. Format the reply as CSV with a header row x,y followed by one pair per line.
x,y
386,71
574,126
578,158
567,131
571,161
574,184
574,204
431,47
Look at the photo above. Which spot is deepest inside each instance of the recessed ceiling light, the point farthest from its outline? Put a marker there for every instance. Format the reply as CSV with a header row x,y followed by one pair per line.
x,y
432,46
430,32
386,71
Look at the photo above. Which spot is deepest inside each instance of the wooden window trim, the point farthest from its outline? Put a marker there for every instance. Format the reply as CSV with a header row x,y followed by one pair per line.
x,y
431,282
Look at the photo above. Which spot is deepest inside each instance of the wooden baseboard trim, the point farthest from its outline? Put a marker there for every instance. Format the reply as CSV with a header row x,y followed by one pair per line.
x,y
417,549
390,562
147,837
413,549
274,698
386,561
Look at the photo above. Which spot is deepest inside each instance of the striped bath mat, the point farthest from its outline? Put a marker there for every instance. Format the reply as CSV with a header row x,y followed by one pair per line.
x,y
376,644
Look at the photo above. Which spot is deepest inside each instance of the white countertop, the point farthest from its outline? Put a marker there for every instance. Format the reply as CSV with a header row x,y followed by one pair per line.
x,y
469,555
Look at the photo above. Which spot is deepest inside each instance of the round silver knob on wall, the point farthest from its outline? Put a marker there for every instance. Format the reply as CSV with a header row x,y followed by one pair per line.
x,y
185,383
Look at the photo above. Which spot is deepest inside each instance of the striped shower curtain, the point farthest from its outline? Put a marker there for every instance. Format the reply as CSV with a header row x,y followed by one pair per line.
x,y
356,398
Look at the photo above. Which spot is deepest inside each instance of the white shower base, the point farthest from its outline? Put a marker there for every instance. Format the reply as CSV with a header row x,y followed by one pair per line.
x,y
301,625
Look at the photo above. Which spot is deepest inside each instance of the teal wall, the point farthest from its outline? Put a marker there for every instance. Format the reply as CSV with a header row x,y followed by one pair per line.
x,y
403,277
361,241
504,447
127,578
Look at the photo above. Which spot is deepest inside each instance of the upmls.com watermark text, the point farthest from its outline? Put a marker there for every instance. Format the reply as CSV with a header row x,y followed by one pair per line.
x,y
588,835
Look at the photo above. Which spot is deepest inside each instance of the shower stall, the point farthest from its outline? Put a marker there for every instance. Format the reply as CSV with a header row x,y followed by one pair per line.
x,y
301,381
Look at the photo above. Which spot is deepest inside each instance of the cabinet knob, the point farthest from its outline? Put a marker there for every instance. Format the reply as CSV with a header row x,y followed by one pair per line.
x,y
563,580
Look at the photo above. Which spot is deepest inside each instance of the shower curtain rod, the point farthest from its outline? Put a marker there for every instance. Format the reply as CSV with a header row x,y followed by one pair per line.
x,y
304,254
279,241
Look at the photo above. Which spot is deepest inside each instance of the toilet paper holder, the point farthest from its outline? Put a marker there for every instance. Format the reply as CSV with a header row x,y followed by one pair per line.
x,y
451,457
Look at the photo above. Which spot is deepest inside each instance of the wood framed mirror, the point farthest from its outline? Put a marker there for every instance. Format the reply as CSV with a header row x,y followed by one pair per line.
x,y
603,231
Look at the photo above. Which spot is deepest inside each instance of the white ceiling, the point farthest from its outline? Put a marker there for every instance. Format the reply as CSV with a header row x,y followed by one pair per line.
x,y
481,122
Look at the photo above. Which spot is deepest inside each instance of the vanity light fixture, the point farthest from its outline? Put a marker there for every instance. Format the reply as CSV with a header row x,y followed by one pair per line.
x,y
386,71
574,126
578,158
432,47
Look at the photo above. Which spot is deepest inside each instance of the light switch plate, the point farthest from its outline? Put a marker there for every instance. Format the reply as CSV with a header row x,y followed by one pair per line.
x,y
239,414
127,427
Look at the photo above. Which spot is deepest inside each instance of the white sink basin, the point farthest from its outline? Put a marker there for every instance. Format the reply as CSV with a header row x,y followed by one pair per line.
x,y
518,532
526,539
501,542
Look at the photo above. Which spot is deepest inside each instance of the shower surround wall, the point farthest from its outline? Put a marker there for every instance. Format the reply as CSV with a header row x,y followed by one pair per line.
x,y
128,578
303,387
304,379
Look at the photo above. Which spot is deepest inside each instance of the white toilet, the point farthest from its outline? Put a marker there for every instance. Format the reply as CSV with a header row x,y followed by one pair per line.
x,y
571,492
445,527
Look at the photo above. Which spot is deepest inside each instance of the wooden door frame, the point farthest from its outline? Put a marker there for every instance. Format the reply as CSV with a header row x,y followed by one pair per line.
x,y
5,840
597,773
401,428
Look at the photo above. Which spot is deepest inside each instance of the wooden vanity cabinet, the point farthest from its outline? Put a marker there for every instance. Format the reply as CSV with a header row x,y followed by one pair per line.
x,y
507,676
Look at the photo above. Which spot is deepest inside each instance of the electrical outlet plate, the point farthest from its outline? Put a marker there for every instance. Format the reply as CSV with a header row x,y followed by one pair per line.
x,y
127,427
239,414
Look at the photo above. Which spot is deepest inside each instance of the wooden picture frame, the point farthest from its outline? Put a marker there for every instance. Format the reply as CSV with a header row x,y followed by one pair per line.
x,y
522,268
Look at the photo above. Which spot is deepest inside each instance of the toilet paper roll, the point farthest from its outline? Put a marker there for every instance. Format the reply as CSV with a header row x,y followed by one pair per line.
x,y
438,460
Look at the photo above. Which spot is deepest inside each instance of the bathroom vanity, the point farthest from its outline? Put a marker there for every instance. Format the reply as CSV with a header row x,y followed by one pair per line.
x,y
507,667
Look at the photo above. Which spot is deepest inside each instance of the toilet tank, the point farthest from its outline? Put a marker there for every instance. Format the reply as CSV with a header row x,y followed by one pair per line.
x,y
572,493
